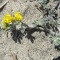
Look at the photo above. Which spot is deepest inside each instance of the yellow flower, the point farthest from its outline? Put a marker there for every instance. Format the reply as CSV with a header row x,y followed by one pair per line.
x,y
18,16
7,19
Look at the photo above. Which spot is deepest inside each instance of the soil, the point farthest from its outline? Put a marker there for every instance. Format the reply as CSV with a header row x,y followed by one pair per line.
x,y
41,49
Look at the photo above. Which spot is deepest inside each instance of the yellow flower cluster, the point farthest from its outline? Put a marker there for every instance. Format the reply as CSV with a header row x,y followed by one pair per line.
x,y
8,19
18,16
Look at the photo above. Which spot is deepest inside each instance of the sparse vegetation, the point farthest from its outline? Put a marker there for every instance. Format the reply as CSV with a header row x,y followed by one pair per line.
x,y
48,22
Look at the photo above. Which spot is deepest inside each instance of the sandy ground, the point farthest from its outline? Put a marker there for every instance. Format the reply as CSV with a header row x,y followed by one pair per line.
x,y
41,49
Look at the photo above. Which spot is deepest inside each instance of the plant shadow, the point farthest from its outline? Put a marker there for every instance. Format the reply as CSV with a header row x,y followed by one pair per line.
x,y
57,47
17,35
58,58
29,31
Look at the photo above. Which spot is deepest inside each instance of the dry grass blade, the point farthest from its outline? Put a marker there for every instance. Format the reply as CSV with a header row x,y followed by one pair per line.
x,y
3,4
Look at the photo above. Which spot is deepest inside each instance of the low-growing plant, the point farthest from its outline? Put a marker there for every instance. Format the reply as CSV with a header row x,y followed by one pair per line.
x,y
10,22
43,2
49,22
